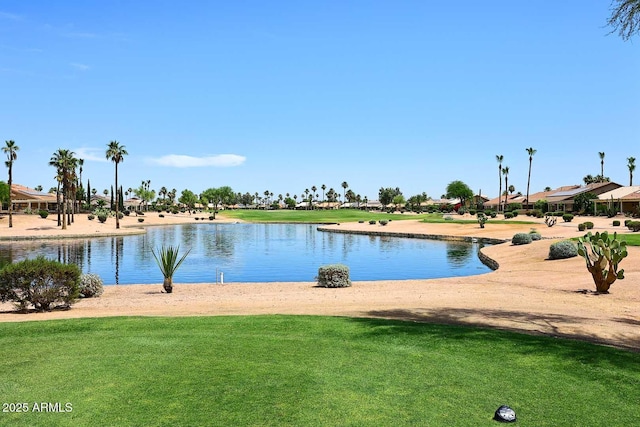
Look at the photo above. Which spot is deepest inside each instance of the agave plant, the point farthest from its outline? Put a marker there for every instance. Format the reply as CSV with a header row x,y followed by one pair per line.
x,y
168,261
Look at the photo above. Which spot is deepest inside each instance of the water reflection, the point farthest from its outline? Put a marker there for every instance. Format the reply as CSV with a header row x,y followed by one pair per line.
x,y
255,253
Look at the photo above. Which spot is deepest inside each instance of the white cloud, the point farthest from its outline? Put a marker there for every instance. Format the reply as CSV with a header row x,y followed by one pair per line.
x,y
10,16
78,66
91,154
182,161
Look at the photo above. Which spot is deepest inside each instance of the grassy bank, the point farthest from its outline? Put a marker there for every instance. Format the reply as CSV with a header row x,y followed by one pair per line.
x,y
299,370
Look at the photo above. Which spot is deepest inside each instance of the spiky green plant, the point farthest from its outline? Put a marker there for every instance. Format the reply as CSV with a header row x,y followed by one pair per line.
x,y
603,256
168,261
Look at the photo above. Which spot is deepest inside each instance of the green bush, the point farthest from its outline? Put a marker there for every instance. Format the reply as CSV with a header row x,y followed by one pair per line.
x,y
140,213
514,213
462,211
127,212
567,217
472,212
616,223
535,235
102,217
493,214
140,219
40,282
211,217
521,239
582,226
508,215
161,215
43,213
589,225
91,285
626,222
334,276
563,249
361,221
633,225
372,221
90,217
383,222
120,215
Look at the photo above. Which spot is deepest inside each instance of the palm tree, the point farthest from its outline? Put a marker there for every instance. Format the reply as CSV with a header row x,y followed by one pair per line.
x,y
324,187
65,165
601,154
116,152
11,149
632,166
344,189
505,172
499,158
80,164
531,152
313,190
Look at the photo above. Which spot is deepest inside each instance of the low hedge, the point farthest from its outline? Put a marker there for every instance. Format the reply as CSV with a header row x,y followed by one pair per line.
x,y
562,250
521,239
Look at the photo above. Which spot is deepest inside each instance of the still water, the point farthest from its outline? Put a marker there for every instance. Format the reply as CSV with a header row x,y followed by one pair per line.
x,y
255,253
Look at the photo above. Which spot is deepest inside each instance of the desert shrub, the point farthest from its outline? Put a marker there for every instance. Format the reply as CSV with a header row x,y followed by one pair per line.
x,y
383,222
140,219
161,215
211,217
140,213
90,217
514,213
102,217
563,249
537,213
472,212
43,213
361,221
567,217
508,215
334,276
493,214
521,239
462,211
535,235
514,206
127,212
372,221
196,218
616,223
120,215
448,218
40,282
91,285
558,213
626,222
589,225
633,225
582,227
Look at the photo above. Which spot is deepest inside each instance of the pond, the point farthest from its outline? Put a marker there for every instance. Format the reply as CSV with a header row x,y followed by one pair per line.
x,y
255,253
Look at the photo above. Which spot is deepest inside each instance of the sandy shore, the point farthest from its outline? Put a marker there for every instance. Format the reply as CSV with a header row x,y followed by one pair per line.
x,y
527,293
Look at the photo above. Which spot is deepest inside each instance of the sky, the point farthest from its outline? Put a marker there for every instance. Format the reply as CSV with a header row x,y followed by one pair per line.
x,y
280,96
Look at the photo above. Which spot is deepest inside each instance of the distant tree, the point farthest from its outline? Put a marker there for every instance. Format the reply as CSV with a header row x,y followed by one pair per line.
x,y
324,187
116,152
547,188
38,188
459,190
632,166
11,150
313,190
505,172
4,192
601,154
386,195
499,159
65,165
344,189
590,179
188,198
583,202
531,152
512,189
398,201
625,18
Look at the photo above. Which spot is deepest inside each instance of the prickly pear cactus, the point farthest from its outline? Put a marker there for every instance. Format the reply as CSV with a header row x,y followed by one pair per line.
x,y
603,254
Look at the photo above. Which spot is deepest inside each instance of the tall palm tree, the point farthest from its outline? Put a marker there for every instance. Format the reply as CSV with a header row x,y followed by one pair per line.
x,y
116,152
499,158
324,187
531,152
601,154
313,190
632,166
11,149
344,189
80,164
505,172
65,165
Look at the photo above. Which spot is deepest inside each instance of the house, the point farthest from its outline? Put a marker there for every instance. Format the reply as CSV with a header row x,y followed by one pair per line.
x,y
563,200
23,198
623,199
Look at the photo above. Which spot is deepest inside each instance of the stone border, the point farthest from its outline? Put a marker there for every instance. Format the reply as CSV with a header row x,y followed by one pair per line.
x,y
486,260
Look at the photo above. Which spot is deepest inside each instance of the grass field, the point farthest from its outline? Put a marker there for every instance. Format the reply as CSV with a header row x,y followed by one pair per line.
x,y
306,371
344,215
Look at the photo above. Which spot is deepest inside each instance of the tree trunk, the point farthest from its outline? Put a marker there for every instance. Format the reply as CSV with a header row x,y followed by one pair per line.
x,y
168,284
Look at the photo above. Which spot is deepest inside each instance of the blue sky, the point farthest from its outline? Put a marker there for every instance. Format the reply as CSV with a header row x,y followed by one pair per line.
x,y
284,95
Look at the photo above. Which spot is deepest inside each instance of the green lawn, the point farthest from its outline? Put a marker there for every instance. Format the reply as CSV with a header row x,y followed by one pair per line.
x,y
307,371
345,215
